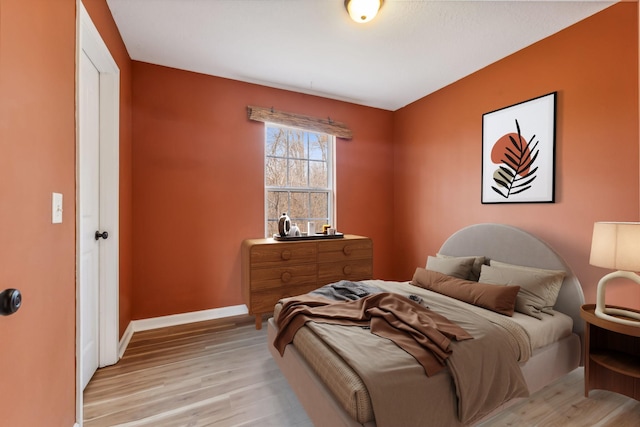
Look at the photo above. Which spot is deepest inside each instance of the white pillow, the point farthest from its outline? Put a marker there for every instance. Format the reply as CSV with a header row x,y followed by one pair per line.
x,y
536,288
552,278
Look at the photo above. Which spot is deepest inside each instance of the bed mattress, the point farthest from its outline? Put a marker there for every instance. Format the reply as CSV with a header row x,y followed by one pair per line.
x,y
350,390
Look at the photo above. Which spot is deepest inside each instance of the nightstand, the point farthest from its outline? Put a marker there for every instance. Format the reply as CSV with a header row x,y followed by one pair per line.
x,y
612,355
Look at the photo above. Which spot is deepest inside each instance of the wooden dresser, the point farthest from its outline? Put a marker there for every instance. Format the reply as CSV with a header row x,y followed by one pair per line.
x,y
274,269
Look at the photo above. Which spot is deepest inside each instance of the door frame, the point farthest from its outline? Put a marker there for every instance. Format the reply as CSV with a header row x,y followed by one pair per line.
x,y
89,40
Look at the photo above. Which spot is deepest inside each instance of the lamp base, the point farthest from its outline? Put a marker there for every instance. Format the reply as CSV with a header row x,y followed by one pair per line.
x,y
604,312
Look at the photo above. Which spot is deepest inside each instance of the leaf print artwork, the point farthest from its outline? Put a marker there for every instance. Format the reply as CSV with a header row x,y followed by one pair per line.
x,y
518,152
515,157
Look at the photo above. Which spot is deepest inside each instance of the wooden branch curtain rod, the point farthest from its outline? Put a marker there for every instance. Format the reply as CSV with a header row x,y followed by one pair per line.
x,y
261,114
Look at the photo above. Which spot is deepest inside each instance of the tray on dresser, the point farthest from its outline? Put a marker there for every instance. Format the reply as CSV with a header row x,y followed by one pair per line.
x,y
312,237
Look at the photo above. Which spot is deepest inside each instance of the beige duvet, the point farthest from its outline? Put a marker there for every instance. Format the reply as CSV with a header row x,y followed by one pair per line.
x,y
483,373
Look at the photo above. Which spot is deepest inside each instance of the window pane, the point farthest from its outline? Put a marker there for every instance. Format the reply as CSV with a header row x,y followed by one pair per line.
x,y
318,177
276,172
318,146
298,145
276,142
297,163
299,211
277,204
272,228
298,173
319,206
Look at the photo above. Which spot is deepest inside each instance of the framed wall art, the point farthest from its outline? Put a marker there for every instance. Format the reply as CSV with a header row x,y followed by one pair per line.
x,y
518,152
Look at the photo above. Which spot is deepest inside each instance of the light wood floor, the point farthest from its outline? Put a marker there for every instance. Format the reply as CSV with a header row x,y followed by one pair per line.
x,y
220,373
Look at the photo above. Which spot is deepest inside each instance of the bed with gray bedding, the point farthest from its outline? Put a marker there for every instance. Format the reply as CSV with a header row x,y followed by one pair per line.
x,y
345,375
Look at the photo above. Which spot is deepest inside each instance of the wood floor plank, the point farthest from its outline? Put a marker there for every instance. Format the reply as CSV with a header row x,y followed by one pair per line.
x,y
562,404
220,373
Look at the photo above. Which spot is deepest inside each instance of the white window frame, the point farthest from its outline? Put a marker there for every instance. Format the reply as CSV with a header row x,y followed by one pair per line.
x,y
331,178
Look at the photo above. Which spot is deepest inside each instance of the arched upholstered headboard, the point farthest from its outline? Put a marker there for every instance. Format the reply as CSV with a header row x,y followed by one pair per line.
x,y
515,246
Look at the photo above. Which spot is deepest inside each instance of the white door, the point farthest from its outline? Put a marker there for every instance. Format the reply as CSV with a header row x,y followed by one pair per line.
x,y
97,206
89,217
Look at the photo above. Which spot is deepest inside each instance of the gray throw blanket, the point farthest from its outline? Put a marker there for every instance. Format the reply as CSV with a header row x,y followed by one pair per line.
x,y
345,290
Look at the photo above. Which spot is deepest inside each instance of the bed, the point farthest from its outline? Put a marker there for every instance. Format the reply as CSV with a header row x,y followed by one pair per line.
x,y
334,393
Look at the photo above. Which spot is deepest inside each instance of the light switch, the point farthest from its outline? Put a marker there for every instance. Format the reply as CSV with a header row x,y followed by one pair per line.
x,y
56,208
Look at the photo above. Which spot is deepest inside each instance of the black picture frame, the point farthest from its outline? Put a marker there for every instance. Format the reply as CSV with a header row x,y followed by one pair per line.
x,y
519,152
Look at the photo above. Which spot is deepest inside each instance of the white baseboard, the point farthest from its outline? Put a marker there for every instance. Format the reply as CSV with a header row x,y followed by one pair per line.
x,y
124,341
177,319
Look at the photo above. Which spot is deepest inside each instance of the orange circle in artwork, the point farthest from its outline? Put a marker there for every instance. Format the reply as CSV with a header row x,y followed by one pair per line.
x,y
500,149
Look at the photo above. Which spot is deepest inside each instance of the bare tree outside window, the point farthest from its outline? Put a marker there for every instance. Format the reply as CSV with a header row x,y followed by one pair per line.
x,y
298,177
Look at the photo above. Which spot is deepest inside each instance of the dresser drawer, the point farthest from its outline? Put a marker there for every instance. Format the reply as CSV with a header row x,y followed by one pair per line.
x,y
341,250
344,270
282,254
265,301
291,275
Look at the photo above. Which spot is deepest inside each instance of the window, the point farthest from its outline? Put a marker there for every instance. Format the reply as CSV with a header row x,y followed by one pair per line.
x,y
298,177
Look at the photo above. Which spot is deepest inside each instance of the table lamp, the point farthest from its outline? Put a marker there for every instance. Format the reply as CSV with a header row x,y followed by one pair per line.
x,y
616,245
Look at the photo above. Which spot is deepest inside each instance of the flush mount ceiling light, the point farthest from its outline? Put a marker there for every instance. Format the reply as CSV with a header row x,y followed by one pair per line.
x,y
363,11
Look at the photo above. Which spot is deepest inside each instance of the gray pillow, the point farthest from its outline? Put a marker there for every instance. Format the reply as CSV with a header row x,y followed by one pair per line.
x,y
552,279
533,287
455,267
474,274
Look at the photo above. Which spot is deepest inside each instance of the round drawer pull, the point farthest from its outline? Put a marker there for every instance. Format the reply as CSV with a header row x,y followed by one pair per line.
x,y
347,250
286,276
346,270
286,255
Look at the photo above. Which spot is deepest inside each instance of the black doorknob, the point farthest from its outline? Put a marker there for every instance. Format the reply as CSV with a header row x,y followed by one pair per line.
x,y
10,301
104,235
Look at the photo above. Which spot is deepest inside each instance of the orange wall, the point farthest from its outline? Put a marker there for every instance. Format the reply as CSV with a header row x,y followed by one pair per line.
x,y
102,19
438,141
198,183
37,157
196,165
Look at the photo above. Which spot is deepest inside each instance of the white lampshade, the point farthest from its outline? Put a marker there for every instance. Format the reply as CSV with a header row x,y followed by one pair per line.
x,y
616,245
363,11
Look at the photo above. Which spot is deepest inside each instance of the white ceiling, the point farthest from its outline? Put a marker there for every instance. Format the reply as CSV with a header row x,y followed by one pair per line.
x,y
411,49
